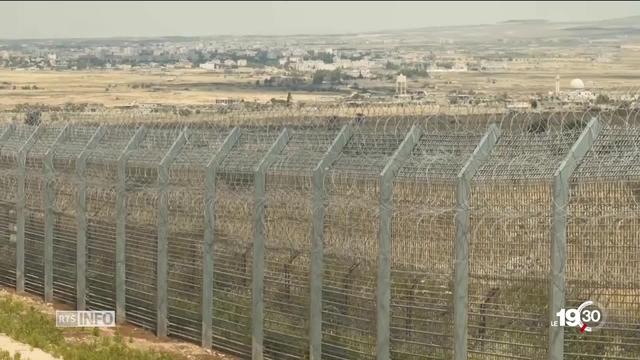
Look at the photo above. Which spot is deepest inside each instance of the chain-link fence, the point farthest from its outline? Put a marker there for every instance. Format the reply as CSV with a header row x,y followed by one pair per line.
x,y
345,236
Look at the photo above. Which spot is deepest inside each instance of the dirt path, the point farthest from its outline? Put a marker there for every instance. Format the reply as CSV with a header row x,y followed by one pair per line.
x,y
26,352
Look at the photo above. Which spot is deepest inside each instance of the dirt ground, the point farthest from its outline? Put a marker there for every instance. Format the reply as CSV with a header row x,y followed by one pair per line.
x,y
124,88
140,339
26,352
184,87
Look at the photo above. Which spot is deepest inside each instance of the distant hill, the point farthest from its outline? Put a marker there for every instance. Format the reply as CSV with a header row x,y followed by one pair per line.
x,y
520,29
525,21
629,21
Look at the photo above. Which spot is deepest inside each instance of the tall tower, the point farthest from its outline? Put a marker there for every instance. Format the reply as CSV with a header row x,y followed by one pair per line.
x,y
557,84
401,85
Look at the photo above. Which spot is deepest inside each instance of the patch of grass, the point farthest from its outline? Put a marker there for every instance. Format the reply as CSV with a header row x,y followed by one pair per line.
x,y
5,355
28,325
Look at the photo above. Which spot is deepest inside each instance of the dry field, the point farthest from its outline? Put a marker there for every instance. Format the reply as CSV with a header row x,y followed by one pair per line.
x,y
621,75
116,88
198,87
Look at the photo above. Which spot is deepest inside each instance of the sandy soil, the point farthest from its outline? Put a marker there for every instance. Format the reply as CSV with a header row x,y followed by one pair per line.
x,y
26,352
123,88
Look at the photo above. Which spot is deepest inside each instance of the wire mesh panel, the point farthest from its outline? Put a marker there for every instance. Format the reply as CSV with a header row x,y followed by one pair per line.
x,y
64,207
8,182
186,231
234,208
603,246
423,234
102,174
288,244
34,210
141,226
510,236
350,251
510,245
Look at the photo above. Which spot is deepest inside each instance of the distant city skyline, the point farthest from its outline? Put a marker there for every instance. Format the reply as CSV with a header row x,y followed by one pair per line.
x,y
44,20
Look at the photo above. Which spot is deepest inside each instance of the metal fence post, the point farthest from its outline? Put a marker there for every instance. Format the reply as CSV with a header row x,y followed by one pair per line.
x,y
21,200
383,288
48,200
121,221
558,250
81,219
461,276
162,321
209,234
257,280
317,240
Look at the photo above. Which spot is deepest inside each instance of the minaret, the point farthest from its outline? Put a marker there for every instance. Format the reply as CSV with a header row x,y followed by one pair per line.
x,y
401,85
557,84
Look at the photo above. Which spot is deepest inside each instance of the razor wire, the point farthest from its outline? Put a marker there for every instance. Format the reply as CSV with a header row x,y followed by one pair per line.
x,y
233,245
510,231
603,243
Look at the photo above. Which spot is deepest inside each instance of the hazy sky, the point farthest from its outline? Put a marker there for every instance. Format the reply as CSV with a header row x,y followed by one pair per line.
x,y
106,19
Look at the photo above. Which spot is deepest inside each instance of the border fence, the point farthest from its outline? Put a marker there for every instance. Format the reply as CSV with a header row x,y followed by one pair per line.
x,y
344,239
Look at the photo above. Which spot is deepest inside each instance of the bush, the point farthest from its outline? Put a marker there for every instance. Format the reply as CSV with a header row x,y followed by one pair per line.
x,y
33,116
184,112
539,126
602,99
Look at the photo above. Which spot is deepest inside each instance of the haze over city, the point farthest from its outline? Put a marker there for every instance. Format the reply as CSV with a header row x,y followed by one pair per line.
x,y
28,19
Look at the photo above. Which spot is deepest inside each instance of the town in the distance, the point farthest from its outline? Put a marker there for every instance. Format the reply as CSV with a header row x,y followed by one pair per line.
x,y
523,65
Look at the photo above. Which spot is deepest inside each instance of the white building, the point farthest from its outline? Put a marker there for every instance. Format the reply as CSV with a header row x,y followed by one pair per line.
x,y
313,65
242,62
576,93
519,105
356,73
211,65
51,58
401,85
493,65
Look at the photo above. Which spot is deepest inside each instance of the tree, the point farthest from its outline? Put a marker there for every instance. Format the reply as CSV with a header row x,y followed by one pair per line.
x,y
332,77
33,116
318,77
289,98
602,99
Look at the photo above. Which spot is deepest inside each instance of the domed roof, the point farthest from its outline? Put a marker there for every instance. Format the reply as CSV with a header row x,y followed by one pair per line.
x,y
576,84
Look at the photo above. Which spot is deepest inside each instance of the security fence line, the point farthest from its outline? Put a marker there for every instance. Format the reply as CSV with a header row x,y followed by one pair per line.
x,y
209,218
81,219
383,293
561,190
461,267
121,220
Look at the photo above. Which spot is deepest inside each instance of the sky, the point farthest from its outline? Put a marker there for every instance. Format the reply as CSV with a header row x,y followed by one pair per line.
x,y
32,20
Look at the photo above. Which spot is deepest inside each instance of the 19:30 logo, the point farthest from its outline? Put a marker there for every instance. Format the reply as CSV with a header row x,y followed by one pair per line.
x,y
588,317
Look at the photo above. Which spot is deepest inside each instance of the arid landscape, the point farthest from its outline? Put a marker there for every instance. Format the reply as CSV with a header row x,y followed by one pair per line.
x,y
507,63
439,190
